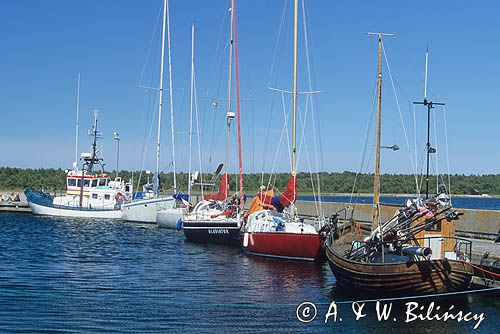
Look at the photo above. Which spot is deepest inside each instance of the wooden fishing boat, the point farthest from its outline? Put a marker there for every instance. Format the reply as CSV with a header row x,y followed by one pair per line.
x,y
402,274
414,253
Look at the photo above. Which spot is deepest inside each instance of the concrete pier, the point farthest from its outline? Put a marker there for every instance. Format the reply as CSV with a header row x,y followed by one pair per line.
x,y
477,224
21,206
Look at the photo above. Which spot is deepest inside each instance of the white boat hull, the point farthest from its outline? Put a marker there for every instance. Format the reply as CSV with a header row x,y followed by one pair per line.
x,y
145,210
73,212
169,218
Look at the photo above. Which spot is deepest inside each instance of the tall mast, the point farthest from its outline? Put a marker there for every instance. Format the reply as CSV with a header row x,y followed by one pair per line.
x,y
238,110
191,109
229,77
429,105
160,104
294,93
294,119
376,180
77,118
88,165
171,100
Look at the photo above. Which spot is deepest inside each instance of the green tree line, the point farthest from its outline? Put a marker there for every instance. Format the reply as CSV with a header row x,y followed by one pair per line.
x,y
330,183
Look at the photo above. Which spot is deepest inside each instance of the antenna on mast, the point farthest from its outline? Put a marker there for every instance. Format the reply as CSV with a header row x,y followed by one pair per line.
x,y
430,105
426,66
75,163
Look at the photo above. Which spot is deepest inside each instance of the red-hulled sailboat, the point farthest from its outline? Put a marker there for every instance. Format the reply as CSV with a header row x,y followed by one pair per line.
x,y
270,230
273,232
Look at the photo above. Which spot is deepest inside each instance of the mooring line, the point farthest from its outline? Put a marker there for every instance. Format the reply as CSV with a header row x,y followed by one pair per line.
x,y
268,305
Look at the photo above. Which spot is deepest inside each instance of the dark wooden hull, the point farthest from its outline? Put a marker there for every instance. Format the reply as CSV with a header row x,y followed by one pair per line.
x,y
399,279
212,232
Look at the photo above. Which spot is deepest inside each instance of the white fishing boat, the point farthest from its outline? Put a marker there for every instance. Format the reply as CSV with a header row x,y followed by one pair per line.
x,y
88,194
145,209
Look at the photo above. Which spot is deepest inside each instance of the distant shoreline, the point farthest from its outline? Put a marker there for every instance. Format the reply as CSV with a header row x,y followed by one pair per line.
x,y
19,190
331,183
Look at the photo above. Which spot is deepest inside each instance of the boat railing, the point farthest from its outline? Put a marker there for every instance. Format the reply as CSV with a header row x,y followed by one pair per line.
x,y
313,220
462,247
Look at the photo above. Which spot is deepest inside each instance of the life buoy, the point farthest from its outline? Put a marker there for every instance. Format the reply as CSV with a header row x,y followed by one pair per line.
x,y
119,197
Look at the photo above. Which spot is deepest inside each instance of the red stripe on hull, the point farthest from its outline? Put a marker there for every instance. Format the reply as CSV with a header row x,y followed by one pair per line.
x,y
285,245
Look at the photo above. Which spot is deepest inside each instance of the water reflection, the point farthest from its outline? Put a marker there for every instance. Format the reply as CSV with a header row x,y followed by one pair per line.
x,y
100,276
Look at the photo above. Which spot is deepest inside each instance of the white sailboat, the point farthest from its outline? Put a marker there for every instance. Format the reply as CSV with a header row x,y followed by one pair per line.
x,y
171,217
218,217
145,210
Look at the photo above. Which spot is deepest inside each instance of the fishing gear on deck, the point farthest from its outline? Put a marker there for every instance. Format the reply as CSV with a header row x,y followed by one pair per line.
x,y
401,229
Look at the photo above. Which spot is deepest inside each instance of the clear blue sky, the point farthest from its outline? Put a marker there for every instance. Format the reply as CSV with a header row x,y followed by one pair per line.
x,y
46,43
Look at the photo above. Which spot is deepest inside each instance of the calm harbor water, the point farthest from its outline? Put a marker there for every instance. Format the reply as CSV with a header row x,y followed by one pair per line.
x,y
60,275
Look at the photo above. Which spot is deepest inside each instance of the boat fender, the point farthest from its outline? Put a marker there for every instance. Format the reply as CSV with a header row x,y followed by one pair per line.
x,y
325,230
357,229
179,224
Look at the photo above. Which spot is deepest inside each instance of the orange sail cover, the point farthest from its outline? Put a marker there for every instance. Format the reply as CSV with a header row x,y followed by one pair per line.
x,y
260,202
223,190
267,199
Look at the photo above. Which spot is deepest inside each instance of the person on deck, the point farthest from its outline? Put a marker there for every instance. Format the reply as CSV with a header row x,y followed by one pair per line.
x,y
232,207
266,200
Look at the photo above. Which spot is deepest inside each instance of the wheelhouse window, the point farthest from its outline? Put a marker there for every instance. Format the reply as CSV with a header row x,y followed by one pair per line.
x,y
71,182
102,182
94,183
86,183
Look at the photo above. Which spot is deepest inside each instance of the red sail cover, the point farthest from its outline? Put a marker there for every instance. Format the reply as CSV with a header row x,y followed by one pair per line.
x,y
290,194
223,190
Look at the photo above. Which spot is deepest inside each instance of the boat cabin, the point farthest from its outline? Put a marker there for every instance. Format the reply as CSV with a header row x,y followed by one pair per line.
x,y
440,238
74,181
